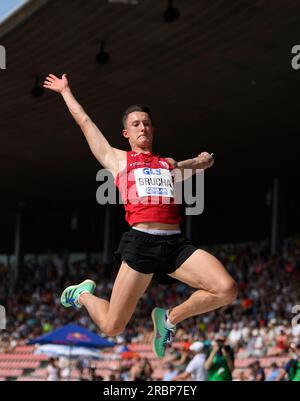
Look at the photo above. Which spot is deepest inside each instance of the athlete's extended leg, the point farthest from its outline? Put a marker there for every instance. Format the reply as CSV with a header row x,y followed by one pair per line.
x,y
215,286
215,289
113,316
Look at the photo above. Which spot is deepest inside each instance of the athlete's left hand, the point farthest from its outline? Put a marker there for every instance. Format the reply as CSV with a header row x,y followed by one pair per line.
x,y
202,161
205,160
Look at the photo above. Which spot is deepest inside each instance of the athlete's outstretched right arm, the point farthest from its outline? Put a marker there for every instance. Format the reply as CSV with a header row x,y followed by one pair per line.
x,y
108,156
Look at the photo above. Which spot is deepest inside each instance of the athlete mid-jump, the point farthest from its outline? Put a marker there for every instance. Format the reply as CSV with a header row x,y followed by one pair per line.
x,y
154,243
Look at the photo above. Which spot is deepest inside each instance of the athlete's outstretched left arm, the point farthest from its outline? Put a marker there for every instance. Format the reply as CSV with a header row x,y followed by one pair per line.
x,y
186,168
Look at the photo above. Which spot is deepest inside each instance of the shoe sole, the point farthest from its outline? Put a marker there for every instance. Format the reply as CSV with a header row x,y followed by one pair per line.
x,y
72,287
154,334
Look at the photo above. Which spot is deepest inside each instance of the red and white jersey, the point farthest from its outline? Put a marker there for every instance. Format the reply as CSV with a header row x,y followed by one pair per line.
x,y
147,189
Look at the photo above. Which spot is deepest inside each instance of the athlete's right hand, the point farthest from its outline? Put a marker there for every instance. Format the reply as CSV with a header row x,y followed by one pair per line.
x,y
56,84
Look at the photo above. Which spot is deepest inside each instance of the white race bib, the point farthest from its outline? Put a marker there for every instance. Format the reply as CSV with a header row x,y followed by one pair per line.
x,y
154,181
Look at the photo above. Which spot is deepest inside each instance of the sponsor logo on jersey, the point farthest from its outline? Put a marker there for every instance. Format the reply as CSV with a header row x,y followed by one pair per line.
x,y
156,191
163,164
150,171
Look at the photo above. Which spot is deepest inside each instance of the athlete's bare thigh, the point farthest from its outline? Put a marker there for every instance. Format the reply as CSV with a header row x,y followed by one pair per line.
x,y
128,288
203,271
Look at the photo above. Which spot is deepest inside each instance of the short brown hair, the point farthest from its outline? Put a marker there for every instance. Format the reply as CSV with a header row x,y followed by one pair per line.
x,y
136,107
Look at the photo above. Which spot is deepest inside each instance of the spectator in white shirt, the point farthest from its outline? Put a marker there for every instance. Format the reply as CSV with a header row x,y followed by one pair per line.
x,y
195,369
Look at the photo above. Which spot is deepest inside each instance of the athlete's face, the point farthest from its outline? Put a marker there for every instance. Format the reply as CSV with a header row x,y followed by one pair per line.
x,y
139,129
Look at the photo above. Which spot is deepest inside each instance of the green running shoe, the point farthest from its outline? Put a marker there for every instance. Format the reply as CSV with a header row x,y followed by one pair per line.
x,y
162,335
70,295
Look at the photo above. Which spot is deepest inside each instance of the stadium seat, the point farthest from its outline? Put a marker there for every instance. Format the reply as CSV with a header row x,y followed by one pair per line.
x,y
19,364
28,379
23,357
10,372
24,349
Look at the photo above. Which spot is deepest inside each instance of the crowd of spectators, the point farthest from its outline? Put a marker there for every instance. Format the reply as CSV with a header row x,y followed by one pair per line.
x,y
261,322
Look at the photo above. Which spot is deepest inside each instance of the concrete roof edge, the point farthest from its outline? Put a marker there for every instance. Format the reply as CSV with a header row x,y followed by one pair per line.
x,y
21,15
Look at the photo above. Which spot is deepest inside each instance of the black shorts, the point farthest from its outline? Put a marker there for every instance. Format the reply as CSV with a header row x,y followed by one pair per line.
x,y
150,253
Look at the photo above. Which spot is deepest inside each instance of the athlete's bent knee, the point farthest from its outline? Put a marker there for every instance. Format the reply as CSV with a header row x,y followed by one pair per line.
x,y
229,291
113,328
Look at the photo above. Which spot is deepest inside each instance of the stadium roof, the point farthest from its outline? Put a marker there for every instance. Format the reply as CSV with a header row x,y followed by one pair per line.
x,y
219,79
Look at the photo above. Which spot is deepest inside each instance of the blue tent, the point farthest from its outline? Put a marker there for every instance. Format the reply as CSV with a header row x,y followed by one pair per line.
x,y
73,335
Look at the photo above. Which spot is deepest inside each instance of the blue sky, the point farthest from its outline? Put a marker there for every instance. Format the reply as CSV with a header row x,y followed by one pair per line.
x,y
8,6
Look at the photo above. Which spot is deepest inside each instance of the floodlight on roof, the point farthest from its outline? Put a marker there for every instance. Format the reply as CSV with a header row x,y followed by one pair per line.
x,y
102,57
171,13
37,89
